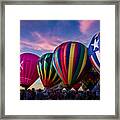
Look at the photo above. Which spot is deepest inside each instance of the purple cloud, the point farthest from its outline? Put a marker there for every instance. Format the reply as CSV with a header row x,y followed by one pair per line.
x,y
85,25
40,42
88,28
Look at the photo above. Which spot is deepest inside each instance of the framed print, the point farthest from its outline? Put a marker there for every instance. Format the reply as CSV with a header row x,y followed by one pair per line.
x,y
60,60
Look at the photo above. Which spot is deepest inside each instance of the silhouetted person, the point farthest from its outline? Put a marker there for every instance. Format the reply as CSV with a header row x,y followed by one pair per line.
x,y
33,94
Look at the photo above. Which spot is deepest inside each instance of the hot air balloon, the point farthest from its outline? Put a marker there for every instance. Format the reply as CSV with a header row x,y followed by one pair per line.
x,y
89,75
94,52
47,72
28,69
69,60
77,86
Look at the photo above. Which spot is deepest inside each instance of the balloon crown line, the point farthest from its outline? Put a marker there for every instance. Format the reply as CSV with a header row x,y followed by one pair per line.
x,y
66,42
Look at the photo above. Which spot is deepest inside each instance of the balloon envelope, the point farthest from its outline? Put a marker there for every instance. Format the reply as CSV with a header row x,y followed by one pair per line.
x,y
94,51
69,60
89,75
28,69
47,72
77,86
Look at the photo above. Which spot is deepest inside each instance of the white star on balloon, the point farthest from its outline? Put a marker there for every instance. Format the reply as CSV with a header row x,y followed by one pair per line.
x,y
21,67
95,44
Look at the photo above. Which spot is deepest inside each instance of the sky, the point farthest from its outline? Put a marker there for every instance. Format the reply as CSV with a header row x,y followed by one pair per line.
x,y
41,36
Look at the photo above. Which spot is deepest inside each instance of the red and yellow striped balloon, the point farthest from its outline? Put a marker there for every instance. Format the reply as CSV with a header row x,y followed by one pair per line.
x,y
69,60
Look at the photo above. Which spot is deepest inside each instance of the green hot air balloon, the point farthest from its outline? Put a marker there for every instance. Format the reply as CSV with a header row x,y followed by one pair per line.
x,y
69,60
47,72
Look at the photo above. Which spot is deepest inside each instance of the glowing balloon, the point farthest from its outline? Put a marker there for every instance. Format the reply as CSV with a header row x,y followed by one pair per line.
x,y
69,60
77,86
28,69
94,51
47,72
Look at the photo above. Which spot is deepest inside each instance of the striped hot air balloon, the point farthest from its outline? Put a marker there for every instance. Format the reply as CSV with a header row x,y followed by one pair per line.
x,y
47,72
28,69
94,51
69,60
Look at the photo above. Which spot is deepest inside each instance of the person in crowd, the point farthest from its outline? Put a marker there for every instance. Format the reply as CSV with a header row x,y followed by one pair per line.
x,y
28,95
33,94
22,94
39,95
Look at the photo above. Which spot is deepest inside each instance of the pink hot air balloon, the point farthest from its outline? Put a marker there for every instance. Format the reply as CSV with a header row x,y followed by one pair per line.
x,y
28,69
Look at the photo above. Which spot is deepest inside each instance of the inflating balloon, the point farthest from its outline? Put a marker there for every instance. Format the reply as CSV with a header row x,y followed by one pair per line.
x,y
94,51
28,69
69,60
47,72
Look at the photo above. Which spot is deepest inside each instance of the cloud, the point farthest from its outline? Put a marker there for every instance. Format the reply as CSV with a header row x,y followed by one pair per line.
x,y
36,46
40,42
36,35
85,25
88,28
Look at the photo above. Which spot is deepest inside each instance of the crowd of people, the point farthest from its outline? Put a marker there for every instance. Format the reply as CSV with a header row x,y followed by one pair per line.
x,y
59,94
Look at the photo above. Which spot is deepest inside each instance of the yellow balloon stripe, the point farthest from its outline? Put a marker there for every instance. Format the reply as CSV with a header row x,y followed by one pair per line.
x,y
71,58
50,71
38,70
54,77
84,62
41,70
39,73
55,82
45,68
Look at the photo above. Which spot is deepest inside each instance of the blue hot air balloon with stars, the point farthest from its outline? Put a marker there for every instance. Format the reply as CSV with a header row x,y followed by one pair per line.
x,y
94,51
